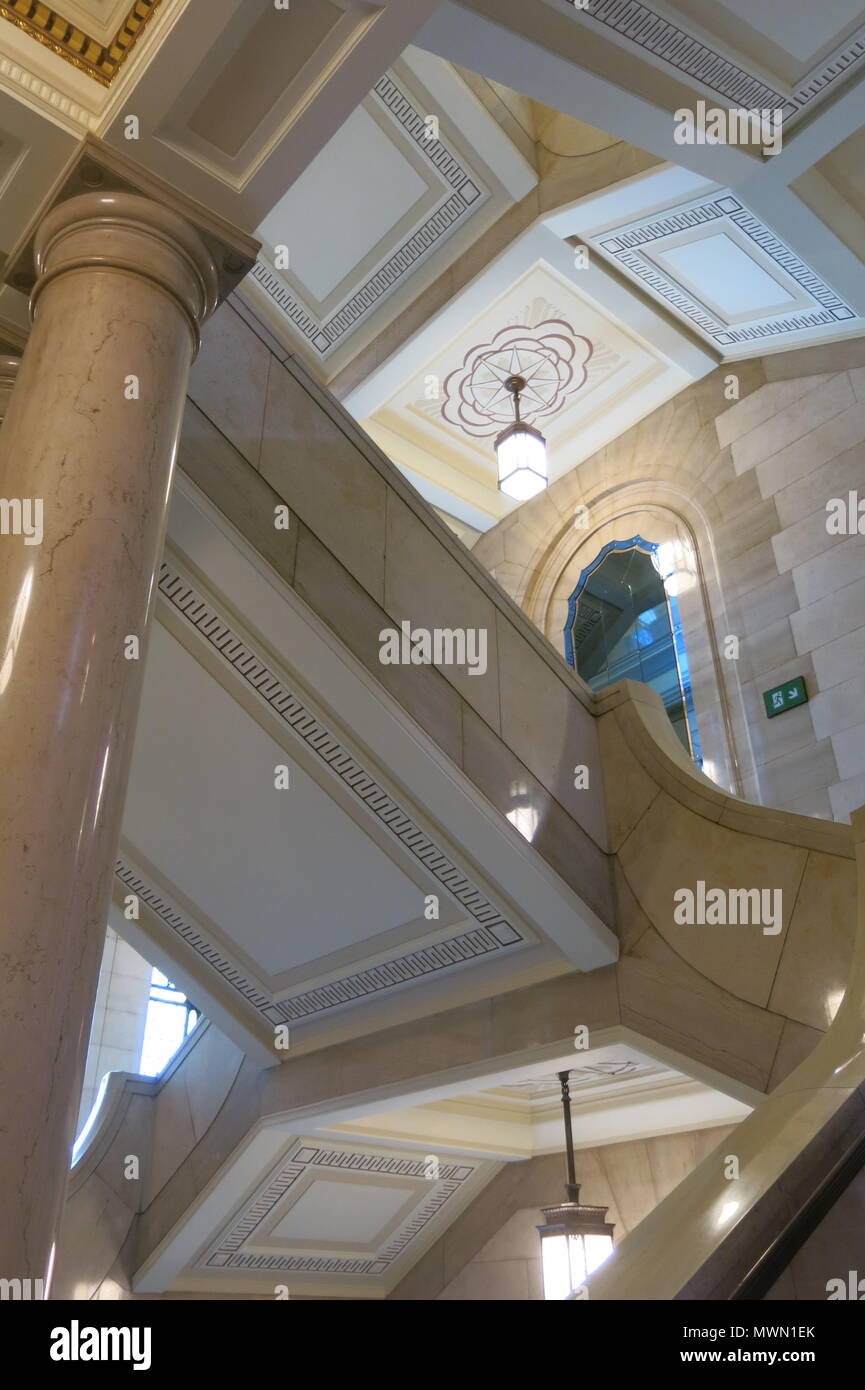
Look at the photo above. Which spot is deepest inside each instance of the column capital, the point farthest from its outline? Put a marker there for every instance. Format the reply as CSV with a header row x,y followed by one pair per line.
x,y
128,233
130,202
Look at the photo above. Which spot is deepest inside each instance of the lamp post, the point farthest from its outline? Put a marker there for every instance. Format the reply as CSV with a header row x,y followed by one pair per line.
x,y
521,451
575,1238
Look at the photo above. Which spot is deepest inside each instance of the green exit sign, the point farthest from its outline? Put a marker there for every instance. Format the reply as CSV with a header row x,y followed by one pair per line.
x,y
785,696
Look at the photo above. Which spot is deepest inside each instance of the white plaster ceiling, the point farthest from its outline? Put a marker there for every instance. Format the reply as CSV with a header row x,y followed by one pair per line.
x,y
766,53
203,807
337,1218
307,905
385,208
702,253
347,1204
617,361
619,1092
788,39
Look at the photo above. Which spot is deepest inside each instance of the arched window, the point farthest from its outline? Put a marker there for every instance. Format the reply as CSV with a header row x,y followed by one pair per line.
x,y
623,624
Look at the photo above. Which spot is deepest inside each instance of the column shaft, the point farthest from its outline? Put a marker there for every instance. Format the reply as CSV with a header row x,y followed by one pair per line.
x,y
90,440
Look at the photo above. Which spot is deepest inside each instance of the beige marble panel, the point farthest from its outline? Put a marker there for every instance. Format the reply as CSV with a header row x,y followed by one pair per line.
x,y
840,708
815,965
812,447
810,494
785,780
493,1281
628,1171
829,618
629,788
424,585
549,1012
512,789
95,1224
849,749
324,478
672,849
803,541
824,401
815,803
797,1042
847,796
173,1134
766,605
772,647
228,380
631,920
234,486
665,999
830,572
746,525
347,608
550,730
763,404
839,660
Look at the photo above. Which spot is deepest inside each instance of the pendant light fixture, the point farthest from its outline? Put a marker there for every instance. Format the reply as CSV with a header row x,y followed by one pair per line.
x,y
521,452
575,1238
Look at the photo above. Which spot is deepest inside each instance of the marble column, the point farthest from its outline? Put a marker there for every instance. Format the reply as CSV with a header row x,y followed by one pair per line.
x,y
88,449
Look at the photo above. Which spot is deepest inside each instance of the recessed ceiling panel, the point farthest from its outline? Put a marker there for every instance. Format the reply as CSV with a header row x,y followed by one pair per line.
x,y
721,273
269,56
345,204
204,807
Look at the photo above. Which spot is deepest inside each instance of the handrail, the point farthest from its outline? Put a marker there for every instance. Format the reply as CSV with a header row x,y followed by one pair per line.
x,y
767,1270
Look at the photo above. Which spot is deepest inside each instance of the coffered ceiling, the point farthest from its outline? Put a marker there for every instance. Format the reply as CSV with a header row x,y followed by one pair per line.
x,y
280,874
590,377
389,203
347,1205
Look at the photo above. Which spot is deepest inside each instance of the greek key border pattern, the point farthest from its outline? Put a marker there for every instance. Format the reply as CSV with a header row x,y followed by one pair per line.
x,y
465,194
492,931
228,1251
647,29
626,248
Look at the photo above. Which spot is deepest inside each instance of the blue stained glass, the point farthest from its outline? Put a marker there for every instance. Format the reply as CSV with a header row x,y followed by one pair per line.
x,y
622,624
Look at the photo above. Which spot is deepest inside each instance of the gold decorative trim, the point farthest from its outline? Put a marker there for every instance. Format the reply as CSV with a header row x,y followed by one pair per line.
x,y
100,61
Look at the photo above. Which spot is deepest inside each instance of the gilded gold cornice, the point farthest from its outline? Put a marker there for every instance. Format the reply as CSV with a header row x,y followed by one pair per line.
x,y
100,61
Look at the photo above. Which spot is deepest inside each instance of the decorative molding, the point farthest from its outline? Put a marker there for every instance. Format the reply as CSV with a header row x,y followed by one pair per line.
x,y
647,29
308,1159
38,90
550,356
491,933
625,246
100,61
463,197
537,1088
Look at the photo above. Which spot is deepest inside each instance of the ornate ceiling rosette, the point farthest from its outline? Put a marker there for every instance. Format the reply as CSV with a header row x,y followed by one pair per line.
x,y
550,357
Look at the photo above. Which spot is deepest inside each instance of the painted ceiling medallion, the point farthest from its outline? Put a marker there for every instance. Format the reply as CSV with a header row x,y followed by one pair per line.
x,y
551,358
100,61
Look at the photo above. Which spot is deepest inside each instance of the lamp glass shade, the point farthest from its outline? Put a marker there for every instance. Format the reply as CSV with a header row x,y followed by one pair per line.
x,y
575,1242
675,564
522,458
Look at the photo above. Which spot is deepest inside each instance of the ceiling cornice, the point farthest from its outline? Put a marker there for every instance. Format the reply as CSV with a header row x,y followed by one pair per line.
x,y
98,60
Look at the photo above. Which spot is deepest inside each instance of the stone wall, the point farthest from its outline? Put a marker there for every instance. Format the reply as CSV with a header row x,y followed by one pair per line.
x,y
492,1251
745,483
